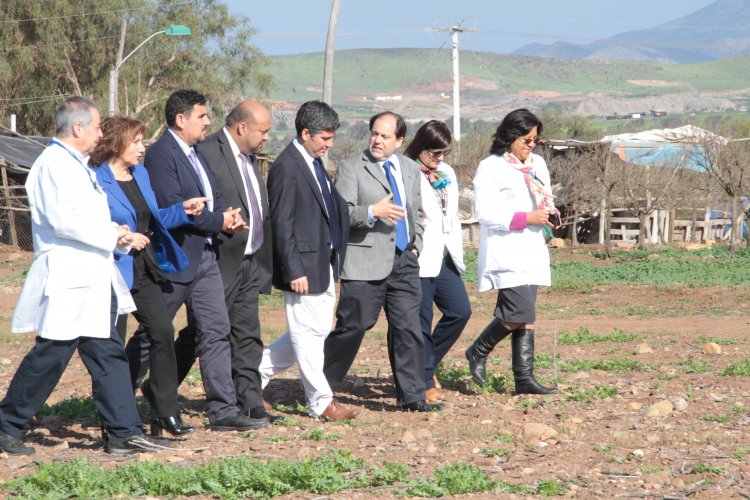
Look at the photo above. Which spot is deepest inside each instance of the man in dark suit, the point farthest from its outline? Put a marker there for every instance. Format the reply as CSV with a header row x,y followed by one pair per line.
x,y
245,258
177,174
310,229
382,190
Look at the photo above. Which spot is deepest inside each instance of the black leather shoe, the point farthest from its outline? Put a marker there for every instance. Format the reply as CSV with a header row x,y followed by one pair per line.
x,y
13,445
421,406
238,422
259,412
172,425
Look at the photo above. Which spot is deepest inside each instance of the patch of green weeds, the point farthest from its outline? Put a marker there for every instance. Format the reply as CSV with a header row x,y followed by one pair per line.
x,y
589,395
692,365
320,435
585,336
277,438
650,470
286,421
236,477
452,479
605,449
458,378
701,468
741,453
194,377
741,368
705,340
606,365
529,403
551,488
705,417
495,452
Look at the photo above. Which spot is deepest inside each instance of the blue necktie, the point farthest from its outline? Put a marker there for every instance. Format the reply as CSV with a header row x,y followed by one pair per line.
x,y
402,240
333,219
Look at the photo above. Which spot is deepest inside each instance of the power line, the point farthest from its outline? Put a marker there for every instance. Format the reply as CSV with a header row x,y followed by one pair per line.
x,y
86,14
68,42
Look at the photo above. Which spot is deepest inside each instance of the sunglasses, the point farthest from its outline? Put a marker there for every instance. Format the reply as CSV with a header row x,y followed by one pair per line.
x,y
528,140
442,152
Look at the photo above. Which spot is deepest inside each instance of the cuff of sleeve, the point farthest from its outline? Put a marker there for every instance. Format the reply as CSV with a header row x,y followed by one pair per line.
x,y
370,218
518,222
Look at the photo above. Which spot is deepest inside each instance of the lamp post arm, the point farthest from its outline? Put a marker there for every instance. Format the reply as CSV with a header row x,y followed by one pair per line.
x,y
117,68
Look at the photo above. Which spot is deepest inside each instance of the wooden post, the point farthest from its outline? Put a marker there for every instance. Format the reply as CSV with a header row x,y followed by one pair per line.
x,y
670,224
11,213
602,221
707,232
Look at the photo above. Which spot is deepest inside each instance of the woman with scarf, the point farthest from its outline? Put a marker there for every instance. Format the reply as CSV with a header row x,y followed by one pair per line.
x,y
441,262
513,202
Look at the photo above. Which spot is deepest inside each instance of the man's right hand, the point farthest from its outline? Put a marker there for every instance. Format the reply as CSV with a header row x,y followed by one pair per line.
x,y
299,285
233,222
386,210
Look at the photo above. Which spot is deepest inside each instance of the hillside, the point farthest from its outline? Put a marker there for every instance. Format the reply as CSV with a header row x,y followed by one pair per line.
x,y
494,83
719,30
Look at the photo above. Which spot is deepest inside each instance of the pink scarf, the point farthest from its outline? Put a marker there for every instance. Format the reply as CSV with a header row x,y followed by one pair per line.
x,y
541,194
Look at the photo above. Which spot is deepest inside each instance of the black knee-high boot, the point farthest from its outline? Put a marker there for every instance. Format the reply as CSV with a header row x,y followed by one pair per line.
x,y
481,348
522,344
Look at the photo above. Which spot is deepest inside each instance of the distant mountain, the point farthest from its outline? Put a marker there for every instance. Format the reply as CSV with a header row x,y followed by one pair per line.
x,y
719,30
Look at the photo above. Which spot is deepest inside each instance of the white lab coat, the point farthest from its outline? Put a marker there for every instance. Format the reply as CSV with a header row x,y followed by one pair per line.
x,y
67,293
508,258
434,240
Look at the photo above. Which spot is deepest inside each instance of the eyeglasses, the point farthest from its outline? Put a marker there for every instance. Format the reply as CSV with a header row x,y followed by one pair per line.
x,y
528,140
442,152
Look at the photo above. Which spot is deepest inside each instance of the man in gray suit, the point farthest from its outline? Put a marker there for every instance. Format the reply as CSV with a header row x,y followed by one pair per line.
x,y
382,191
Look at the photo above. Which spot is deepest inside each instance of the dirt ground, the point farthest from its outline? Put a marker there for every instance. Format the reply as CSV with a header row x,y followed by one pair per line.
x,y
698,447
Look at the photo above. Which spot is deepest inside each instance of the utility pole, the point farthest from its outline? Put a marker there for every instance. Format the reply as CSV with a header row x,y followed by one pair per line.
x,y
454,31
330,43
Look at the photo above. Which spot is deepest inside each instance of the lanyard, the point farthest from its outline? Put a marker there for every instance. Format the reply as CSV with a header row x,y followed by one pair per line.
x,y
95,185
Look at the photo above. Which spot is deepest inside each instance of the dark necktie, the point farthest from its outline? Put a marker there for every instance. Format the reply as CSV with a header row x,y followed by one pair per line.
x,y
333,219
257,234
402,240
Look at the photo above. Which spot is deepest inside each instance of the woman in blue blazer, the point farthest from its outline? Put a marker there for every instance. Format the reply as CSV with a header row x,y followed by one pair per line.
x,y
131,201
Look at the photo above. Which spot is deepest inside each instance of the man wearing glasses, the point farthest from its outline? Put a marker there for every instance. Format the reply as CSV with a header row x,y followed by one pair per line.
x,y
382,191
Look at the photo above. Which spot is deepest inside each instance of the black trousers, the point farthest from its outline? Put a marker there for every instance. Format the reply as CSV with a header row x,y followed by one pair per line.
x,y
155,320
41,369
357,311
204,298
241,296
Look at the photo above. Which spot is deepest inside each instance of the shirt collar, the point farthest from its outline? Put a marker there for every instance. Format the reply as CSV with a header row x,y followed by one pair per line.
x,y
308,158
235,149
183,145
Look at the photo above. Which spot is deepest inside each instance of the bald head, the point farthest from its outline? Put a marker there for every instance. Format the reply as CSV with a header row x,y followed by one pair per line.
x,y
249,123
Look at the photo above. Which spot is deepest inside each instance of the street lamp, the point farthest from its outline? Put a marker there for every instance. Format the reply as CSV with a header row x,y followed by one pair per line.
x,y
172,30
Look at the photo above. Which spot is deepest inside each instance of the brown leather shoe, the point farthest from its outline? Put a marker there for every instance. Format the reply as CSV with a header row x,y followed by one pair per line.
x,y
336,411
432,395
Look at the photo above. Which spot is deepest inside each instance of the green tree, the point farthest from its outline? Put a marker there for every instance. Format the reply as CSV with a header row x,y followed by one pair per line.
x,y
46,54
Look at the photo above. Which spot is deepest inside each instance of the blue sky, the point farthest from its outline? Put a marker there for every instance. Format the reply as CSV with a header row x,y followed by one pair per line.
x,y
299,26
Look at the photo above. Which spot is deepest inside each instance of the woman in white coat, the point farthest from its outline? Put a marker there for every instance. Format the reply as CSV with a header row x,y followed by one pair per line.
x,y
441,262
513,201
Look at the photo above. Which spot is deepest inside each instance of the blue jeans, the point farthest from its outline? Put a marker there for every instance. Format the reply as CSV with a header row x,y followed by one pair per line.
x,y
448,292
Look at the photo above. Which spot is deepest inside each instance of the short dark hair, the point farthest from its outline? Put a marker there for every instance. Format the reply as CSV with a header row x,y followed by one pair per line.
x,y
400,123
316,117
432,135
181,102
515,124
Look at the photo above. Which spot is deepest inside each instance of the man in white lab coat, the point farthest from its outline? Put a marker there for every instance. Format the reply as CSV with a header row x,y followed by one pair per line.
x,y
73,292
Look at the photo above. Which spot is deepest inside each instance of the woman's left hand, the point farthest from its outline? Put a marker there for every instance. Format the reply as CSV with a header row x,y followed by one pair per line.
x,y
194,206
